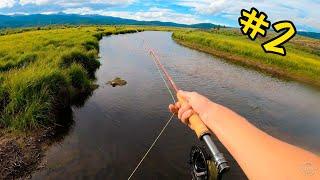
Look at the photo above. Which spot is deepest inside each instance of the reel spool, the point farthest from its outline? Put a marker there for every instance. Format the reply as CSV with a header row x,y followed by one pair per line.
x,y
202,166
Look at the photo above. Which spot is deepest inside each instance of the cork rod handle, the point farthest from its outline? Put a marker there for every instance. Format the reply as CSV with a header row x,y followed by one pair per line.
x,y
195,122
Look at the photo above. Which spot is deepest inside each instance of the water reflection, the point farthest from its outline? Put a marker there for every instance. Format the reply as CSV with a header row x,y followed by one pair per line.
x,y
116,125
64,117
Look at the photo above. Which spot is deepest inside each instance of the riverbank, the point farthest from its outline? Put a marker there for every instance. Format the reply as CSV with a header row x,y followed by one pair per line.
x,y
43,72
302,62
51,69
106,126
42,69
21,154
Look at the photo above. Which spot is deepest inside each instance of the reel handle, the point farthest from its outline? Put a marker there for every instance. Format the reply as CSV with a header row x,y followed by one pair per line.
x,y
195,122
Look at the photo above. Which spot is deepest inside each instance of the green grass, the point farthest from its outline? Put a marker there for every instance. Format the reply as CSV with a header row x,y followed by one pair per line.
x,y
42,67
301,63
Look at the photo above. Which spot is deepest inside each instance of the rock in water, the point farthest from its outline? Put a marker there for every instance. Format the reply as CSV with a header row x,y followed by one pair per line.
x,y
117,82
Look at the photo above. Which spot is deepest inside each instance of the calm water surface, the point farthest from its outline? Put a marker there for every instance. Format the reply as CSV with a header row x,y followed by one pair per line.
x,y
116,125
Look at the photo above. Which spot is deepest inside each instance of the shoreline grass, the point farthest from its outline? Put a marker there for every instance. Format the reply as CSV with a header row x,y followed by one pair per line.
x,y
45,68
302,62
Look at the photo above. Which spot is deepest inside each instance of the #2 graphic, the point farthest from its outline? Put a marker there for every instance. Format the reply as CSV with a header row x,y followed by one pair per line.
x,y
254,22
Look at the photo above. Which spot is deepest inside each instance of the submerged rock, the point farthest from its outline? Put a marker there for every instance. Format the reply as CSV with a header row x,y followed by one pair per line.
x,y
117,82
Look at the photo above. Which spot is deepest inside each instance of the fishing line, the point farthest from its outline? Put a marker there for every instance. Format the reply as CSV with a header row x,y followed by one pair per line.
x,y
218,160
167,86
150,148
151,52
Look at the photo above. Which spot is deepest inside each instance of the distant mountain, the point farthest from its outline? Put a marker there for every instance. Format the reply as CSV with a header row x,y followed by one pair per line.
x,y
15,21
310,34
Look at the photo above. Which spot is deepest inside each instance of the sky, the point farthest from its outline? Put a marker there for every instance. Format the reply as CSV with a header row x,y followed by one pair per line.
x,y
304,14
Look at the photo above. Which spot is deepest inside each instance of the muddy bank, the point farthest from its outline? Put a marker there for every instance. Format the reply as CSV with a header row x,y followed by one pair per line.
x,y
21,154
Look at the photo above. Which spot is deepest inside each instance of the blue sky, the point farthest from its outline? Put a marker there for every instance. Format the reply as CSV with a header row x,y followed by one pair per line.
x,y
304,13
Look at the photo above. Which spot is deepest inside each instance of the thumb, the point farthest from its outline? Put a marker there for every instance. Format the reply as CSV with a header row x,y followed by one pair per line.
x,y
198,102
183,95
186,95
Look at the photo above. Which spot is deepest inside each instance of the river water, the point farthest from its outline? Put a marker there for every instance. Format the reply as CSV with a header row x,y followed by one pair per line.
x,y
115,126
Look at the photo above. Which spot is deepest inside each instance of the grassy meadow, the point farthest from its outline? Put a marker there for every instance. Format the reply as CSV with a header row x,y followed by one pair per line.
x,y
301,63
41,69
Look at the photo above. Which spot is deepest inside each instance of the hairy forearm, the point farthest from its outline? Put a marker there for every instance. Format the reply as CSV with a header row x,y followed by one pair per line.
x,y
260,155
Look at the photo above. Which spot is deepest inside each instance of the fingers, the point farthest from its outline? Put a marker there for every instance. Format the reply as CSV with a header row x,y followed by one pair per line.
x,y
183,94
183,109
178,105
187,95
186,115
199,103
174,107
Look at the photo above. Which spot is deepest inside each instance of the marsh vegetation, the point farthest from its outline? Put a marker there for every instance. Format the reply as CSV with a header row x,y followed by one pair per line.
x,y
43,72
41,69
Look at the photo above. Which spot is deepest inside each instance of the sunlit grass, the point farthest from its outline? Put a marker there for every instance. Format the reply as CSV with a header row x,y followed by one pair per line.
x,y
42,67
37,66
301,63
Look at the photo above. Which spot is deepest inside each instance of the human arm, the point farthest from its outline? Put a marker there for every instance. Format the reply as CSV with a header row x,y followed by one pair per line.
x,y
260,155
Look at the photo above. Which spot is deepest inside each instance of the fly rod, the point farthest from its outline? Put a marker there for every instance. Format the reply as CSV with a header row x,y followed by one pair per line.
x,y
201,130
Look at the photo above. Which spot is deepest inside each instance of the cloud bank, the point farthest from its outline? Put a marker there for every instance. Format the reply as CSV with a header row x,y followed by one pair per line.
x,y
304,13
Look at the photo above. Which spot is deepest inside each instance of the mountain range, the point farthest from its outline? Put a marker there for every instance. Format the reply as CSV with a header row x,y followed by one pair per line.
x,y
15,21
33,20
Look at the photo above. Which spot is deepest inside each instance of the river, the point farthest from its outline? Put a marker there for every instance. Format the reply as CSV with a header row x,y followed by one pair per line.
x,y
115,126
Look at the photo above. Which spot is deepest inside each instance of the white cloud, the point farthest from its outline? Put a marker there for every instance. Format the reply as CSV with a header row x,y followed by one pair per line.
x,y
304,12
7,3
205,6
153,14
49,12
81,11
162,14
37,2
16,13
75,2
113,1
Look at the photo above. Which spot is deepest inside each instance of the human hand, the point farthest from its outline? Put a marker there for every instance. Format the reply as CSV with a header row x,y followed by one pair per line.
x,y
195,103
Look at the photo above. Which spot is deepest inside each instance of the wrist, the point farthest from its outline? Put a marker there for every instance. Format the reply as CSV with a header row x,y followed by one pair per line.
x,y
215,116
208,113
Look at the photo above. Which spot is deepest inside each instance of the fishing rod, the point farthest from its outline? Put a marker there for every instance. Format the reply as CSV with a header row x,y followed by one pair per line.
x,y
199,160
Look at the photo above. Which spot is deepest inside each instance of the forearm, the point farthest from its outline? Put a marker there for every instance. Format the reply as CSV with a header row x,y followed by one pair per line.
x,y
259,155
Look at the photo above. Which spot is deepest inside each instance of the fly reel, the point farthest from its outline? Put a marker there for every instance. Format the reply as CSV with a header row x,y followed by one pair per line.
x,y
202,165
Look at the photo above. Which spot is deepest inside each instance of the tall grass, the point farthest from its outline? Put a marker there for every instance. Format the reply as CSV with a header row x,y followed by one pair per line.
x,y
302,62
42,68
